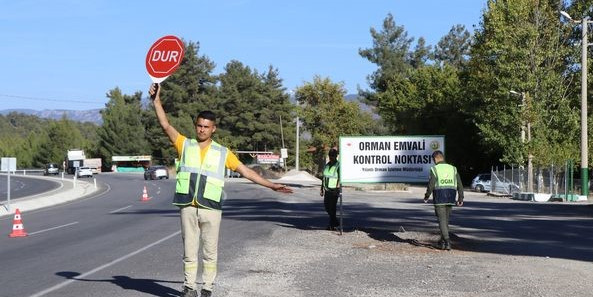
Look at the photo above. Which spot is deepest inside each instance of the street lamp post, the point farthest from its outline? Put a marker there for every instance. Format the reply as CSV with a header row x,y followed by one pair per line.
x,y
529,155
296,161
584,136
297,149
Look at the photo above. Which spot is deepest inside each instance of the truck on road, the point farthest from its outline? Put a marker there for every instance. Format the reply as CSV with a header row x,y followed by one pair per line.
x,y
93,163
74,159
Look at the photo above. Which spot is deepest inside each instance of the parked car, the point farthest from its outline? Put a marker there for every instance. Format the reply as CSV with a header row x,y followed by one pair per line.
x,y
85,172
51,168
481,183
156,172
234,173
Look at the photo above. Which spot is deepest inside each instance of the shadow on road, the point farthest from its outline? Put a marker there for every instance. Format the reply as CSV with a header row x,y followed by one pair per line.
x,y
148,286
552,230
506,227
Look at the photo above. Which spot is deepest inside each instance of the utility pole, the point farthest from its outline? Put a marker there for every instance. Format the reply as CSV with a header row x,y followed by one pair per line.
x,y
297,145
281,131
282,151
584,132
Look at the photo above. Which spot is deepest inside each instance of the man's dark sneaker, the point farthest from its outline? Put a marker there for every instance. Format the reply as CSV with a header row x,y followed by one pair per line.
x,y
188,292
205,293
447,245
441,244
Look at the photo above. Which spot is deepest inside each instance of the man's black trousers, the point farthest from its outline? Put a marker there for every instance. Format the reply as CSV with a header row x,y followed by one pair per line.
x,y
330,200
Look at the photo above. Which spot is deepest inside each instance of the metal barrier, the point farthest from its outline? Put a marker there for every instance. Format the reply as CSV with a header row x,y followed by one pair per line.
x,y
557,181
25,172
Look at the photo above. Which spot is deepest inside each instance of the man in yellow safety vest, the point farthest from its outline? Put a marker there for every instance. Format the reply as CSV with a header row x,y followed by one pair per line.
x,y
330,188
444,184
199,192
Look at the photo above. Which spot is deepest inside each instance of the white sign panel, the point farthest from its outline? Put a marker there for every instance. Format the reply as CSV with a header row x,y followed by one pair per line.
x,y
268,159
8,164
385,159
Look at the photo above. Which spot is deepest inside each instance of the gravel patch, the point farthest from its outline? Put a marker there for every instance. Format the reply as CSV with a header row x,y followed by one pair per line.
x,y
500,248
322,263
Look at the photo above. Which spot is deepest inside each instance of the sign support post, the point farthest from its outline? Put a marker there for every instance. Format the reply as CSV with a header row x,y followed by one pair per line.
x,y
8,193
341,213
8,165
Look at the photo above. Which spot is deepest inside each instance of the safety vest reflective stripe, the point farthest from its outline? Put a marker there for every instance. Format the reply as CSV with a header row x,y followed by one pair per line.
x,y
446,176
188,169
331,176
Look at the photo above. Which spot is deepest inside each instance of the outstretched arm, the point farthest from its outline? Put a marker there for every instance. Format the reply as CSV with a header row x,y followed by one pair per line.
x,y
155,91
256,178
459,191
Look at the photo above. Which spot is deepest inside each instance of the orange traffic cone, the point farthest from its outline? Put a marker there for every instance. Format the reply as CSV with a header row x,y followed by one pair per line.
x,y
144,195
17,226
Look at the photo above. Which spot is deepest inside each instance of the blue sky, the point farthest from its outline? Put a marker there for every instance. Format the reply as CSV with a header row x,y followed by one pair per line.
x,y
67,54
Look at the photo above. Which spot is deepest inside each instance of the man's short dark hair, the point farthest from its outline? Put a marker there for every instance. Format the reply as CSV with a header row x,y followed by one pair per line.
x,y
437,153
333,152
207,115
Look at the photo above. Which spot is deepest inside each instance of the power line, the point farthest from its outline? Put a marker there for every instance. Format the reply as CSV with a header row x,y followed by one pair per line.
x,y
48,99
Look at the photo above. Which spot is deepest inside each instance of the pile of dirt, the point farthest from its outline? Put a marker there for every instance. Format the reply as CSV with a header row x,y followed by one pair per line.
x,y
304,176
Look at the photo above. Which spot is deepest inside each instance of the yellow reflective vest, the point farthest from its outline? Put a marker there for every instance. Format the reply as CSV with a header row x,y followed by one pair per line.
x,y
445,189
200,182
331,176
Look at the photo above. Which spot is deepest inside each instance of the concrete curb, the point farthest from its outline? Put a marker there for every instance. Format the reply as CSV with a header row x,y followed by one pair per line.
x,y
540,197
64,193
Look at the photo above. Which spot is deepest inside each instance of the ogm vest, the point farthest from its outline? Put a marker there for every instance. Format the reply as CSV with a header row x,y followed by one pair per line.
x,y
445,190
200,182
331,176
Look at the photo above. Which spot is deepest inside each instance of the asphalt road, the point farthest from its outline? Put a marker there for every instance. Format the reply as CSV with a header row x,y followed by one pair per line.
x,y
113,244
21,186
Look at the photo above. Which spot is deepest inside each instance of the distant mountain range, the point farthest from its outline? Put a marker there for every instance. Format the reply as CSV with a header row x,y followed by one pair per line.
x,y
94,115
91,115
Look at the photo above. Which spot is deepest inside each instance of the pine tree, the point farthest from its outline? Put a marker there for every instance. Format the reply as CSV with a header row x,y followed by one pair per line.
x,y
122,132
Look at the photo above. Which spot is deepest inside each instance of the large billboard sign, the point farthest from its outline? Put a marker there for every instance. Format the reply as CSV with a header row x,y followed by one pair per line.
x,y
387,159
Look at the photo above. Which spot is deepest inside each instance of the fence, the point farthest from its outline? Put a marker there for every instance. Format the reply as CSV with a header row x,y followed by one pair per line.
x,y
25,172
547,180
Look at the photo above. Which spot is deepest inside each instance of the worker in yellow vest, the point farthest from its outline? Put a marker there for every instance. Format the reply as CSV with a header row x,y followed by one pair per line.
x,y
445,185
330,188
199,193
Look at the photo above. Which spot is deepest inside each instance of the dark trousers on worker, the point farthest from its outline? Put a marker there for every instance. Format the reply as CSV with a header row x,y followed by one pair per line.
x,y
443,212
330,200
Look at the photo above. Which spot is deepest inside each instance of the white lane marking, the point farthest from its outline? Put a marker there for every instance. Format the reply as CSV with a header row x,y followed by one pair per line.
x,y
119,209
65,283
53,228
